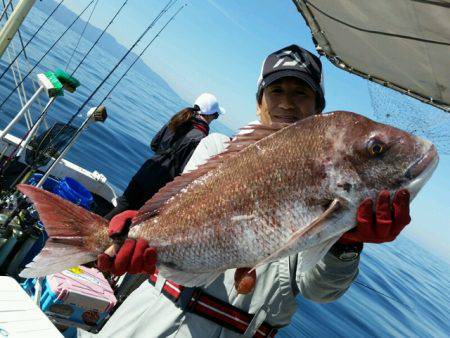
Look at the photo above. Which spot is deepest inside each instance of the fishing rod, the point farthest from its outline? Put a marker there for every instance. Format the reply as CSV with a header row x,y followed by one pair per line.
x,y
27,61
63,152
81,35
21,92
5,8
53,83
30,131
18,31
32,37
150,26
45,54
99,37
95,114
169,4
142,52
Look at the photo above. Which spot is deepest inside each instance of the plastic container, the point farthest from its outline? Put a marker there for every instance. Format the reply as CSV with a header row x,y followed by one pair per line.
x,y
78,297
73,191
67,188
49,184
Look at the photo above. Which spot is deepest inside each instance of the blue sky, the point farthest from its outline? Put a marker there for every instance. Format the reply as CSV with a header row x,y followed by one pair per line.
x,y
218,46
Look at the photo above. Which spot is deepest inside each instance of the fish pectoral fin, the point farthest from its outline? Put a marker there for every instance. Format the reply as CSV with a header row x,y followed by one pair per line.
x,y
334,206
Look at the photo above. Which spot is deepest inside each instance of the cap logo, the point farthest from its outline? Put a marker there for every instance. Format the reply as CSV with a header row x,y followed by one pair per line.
x,y
289,58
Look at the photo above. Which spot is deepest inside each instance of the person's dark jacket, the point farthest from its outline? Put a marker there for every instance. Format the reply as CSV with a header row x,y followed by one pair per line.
x,y
172,151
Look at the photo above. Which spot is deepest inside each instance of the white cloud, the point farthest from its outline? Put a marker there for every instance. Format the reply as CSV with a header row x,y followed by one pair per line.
x,y
227,15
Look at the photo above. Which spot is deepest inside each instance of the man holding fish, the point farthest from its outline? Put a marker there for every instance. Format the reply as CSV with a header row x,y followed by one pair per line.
x,y
289,89
281,204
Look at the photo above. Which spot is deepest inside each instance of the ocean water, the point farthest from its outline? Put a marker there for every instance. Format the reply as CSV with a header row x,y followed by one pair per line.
x,y
401,291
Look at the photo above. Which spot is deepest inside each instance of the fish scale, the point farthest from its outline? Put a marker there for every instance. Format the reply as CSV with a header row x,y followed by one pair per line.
x,y
276,191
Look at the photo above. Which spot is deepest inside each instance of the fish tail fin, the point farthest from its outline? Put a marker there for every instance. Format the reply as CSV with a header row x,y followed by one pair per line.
x,y
76,236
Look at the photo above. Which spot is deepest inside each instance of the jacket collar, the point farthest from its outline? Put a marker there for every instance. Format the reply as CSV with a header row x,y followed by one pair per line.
x,y
201,125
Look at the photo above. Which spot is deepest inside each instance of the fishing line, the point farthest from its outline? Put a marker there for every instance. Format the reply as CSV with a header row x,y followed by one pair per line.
x,y
81,35
21,92
142,52
18,31
79,64
155,20
150,26
45,54
382,294
32,37
136,59
4,163
5,8
99,37
8,160
33,82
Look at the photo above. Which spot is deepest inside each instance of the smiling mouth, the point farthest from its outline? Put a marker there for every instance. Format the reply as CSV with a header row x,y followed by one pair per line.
x,y
286,119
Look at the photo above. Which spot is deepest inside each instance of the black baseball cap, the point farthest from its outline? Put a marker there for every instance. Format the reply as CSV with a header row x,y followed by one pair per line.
x,y
293,61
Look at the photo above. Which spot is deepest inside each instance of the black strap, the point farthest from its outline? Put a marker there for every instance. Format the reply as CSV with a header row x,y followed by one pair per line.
x,y
293,259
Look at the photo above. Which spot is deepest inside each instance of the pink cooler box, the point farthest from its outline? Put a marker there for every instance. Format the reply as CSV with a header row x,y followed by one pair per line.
x,y
79,295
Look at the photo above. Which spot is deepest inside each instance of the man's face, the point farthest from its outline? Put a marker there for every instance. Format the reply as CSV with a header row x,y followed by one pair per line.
x,y
286,100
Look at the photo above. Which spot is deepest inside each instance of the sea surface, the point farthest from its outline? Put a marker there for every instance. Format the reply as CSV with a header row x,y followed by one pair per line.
x,y
401,291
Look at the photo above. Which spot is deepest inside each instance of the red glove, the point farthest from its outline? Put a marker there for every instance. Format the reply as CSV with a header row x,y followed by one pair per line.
x,y
134,256
384,224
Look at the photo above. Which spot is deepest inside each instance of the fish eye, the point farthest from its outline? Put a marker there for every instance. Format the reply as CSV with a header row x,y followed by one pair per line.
x,y
376,148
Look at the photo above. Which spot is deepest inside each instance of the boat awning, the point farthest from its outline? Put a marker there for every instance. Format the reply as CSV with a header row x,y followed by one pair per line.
x,y
402,44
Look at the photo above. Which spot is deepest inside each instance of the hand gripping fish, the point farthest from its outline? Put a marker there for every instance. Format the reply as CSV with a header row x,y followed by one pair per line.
x,y
275,191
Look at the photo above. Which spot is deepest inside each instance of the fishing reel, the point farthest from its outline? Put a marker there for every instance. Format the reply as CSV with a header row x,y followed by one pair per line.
x,y
16,210
21,233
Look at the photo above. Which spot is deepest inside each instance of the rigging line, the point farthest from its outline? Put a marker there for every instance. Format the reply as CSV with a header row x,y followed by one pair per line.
x,y
21,91
21,41
48,51
142,52
33,82
134,61
3,164
32,37
5,8
169,4
99,37
82,34
9,4
163,11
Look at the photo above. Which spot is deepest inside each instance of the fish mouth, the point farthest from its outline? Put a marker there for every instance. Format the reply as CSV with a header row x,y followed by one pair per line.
x,y
421,170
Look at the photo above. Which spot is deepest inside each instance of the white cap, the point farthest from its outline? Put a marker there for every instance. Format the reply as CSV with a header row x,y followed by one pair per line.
x,y
208,104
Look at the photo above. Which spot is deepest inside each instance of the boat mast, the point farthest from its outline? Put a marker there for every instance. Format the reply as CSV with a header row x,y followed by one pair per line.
x,y
12,25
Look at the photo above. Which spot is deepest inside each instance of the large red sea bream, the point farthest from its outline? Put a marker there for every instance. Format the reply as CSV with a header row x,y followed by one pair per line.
x,y
276,191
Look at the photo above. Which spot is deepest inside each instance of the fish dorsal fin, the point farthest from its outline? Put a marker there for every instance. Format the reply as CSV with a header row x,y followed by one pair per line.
x,y
247,136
